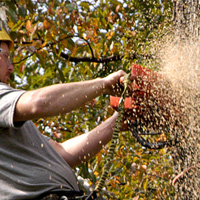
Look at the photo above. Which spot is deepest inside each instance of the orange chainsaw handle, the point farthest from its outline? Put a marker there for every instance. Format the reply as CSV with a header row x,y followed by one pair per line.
x,y
139,88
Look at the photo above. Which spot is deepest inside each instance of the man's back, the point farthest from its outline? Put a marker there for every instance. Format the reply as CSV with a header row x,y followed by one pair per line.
x,y
29,165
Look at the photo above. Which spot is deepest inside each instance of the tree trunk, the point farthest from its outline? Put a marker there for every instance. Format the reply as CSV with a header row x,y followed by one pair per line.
x,y
187,18
186,153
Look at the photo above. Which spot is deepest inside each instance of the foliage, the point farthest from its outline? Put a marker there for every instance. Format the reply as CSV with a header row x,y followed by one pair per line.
x,y
66,41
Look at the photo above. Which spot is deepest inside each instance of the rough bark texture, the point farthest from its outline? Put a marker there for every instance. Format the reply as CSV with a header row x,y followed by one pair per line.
x,y
186,154
187,17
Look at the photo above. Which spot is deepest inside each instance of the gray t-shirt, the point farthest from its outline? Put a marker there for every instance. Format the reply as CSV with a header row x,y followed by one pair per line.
x,y
29,165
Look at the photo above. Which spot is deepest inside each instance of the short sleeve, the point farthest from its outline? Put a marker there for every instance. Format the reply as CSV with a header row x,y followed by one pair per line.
x,y
46,138
8,100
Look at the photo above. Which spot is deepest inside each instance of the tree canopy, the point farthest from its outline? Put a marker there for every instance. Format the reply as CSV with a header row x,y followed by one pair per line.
x,y
65,41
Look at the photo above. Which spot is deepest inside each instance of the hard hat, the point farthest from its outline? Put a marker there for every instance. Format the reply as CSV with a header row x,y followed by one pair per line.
x,y
5,37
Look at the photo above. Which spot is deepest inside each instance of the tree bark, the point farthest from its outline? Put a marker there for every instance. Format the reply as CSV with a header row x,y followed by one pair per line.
x,y
187,18
186,153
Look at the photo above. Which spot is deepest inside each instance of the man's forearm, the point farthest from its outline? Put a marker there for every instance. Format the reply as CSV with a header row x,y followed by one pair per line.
x,y
84,147
57,99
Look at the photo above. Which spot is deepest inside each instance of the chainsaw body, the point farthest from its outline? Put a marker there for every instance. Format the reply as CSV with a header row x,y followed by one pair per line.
x,y
140,88
140,107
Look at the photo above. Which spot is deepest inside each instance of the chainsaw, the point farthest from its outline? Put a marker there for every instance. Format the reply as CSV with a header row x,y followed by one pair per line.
x,y
144,112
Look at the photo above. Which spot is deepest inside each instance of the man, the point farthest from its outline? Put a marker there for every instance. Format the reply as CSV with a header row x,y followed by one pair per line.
x,y
33,166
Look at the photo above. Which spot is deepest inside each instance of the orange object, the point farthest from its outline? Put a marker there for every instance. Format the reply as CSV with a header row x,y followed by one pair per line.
x,y
141,104
140,88
114,102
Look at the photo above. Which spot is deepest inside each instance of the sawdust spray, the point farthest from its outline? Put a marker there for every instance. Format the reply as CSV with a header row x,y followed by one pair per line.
x,y
180,65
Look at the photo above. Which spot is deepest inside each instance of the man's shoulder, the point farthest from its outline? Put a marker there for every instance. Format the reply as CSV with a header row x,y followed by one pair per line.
x,y
5,89
5,86
7,93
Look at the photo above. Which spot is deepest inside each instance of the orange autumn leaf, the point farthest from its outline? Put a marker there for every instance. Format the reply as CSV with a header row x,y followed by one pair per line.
x,y
29,26
110,35
46,24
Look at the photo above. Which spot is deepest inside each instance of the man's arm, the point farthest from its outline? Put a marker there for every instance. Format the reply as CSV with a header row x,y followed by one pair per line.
x,y
62,98
81,148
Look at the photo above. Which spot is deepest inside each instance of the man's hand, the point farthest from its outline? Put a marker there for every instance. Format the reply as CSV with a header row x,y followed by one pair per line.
x,y
112,83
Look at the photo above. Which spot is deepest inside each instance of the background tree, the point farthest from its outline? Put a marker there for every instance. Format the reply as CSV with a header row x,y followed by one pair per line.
x,y
186,18
186,153
65,41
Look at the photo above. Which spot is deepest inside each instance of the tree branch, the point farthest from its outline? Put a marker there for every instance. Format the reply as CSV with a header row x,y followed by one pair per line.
x,y
104,59
92,59
71,36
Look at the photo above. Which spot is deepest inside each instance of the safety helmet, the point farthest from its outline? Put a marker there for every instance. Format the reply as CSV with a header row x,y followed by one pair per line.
x,y
5,37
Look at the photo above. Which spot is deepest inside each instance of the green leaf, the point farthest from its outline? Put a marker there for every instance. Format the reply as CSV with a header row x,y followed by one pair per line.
x,y
85,4
13,15
60,75
22,11
70,7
